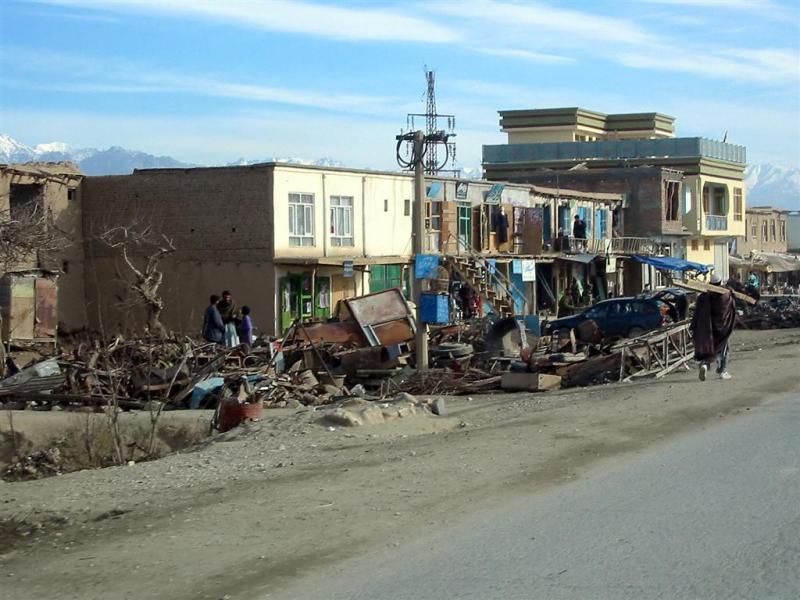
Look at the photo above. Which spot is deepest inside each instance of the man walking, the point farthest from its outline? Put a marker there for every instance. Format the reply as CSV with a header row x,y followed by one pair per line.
x,y
711,327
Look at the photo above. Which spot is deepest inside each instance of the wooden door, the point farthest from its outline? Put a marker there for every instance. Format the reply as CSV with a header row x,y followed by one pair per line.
x,y
46,298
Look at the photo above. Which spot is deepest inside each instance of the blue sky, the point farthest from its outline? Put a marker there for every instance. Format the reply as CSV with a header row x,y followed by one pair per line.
x,y
210,81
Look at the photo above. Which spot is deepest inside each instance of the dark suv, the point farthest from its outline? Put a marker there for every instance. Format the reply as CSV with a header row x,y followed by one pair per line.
x,y
628,317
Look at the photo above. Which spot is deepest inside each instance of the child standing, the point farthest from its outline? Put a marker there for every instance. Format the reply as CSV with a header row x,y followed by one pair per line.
x,y
246,327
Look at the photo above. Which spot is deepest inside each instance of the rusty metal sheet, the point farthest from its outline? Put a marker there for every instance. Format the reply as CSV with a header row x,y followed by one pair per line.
x,y
384,317
46,315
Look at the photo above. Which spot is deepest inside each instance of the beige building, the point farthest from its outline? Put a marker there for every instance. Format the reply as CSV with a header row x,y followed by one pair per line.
x,y
766,231
43,291
713,198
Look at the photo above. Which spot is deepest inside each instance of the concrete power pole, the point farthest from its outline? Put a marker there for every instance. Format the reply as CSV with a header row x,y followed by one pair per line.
x,y
418,230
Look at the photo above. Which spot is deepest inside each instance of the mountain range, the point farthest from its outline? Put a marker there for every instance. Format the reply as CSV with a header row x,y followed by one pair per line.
x,y
767,184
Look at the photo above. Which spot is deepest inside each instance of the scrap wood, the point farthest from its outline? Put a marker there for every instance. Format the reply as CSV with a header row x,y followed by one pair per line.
x,y
701,286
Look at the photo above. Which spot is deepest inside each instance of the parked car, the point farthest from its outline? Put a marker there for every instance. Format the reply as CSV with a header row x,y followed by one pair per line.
x,y
628,317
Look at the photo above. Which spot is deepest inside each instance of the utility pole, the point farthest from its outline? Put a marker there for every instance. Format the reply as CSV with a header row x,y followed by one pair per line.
x,y
418,230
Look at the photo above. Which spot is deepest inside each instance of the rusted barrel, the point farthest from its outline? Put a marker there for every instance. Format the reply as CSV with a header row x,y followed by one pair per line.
x,y
233,413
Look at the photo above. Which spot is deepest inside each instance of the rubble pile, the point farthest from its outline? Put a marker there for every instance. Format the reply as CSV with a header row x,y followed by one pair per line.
x,y
777,312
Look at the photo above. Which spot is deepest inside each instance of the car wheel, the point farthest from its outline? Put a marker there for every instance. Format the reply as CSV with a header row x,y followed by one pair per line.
x,y
635,332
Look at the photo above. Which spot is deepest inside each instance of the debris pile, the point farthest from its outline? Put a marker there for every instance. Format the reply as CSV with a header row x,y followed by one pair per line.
x,y
775,312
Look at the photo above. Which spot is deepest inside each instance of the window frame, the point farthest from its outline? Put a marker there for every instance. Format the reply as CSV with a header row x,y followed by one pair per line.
x,y
738,204
296,237
342,215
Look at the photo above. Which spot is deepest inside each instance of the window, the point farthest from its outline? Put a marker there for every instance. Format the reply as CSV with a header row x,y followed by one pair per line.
x,y
71,194
706,244
433,215
688,208
705,199
407,207
783,231
694,244
764,231
301,219
773,230
672,200
341,220
737,204
753,230
386,205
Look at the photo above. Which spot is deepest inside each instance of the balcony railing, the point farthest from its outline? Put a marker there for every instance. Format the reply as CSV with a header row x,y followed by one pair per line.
x,y
716,222
618,245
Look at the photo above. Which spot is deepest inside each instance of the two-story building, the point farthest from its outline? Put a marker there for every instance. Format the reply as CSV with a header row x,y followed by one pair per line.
x,y
291,240
711,197
765,231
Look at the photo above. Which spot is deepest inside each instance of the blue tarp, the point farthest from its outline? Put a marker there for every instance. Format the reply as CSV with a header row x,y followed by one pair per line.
x,y
426,266
669,263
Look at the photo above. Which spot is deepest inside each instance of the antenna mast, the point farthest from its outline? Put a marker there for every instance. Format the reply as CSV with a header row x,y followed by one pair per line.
x,y
435,135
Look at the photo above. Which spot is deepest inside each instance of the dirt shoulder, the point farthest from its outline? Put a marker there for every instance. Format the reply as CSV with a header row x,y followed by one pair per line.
x,y
257,507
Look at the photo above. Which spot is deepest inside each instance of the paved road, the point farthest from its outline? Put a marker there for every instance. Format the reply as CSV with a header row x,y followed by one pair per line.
x,y
711,514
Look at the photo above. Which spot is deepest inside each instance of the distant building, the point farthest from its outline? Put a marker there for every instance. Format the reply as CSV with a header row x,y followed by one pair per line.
x,y
712,194
766,231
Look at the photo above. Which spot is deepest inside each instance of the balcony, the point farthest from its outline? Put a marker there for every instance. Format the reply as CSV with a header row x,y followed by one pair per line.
x,y
716,222
618,245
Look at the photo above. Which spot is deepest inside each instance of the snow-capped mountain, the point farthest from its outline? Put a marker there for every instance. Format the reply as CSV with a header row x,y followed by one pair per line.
x,y
112,161
770,185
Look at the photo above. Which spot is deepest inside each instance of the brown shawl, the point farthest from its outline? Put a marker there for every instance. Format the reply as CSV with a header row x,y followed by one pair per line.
x,y
712,324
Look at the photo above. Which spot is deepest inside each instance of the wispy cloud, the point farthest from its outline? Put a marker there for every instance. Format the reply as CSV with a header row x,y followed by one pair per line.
x,y
764,66
538,18
537,57
84,74
733,4
293,16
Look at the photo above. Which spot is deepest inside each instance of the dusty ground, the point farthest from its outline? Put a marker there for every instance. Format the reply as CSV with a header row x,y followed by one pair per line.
x,y
255,508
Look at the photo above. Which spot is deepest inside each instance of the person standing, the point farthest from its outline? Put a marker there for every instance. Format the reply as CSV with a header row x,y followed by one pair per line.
x,y
246,327
213,327
711,327
227,310
579,232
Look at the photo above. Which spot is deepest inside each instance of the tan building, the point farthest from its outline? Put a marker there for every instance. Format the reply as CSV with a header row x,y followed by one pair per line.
x,y
32,308
766,231
291,240
713,197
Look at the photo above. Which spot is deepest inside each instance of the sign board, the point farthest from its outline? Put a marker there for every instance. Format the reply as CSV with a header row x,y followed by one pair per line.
x,y
494,194
347,268
528,270
462,189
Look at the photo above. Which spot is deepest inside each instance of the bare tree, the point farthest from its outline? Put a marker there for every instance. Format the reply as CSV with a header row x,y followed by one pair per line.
x,y
26,232
138,243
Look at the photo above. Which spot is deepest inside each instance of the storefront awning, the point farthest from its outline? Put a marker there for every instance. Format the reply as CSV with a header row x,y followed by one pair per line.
x,y
584,259
670,263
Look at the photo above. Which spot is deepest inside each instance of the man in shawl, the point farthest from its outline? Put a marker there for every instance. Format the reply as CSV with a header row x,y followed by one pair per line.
x,y
712,325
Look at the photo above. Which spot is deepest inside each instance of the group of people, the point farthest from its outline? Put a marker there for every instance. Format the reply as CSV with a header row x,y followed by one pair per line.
x,y
224,324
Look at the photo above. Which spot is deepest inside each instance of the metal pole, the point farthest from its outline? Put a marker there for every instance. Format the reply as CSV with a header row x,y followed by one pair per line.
x,y
419,246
